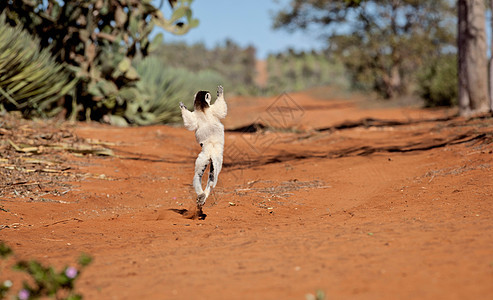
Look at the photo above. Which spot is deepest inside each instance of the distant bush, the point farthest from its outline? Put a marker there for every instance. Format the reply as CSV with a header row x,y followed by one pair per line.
x,y
290,71
438,82
231,61
286,71
160,90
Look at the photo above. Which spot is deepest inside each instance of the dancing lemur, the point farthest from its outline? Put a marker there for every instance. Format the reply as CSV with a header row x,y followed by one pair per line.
x,y
209,132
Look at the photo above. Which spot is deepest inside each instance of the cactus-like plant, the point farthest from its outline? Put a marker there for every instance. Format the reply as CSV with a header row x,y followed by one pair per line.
x,y
98,39
30,78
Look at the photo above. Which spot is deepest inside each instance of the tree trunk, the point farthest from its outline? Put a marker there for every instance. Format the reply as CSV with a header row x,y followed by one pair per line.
x,y
491,60
395,78
462,65
473,71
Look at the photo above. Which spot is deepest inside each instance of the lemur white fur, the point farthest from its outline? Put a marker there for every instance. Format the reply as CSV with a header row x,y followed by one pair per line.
x,y
209,133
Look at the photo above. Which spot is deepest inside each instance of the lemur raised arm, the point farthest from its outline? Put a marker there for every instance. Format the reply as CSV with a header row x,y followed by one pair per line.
x,y
209,133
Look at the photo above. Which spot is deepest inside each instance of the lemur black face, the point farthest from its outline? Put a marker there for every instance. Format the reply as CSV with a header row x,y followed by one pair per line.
x,y
202,100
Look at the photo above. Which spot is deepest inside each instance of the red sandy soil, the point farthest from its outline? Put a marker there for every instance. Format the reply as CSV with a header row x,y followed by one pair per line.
x,y
374,203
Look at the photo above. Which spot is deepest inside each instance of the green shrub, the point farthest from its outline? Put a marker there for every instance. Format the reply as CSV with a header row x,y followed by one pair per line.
x,y
161,88
231,61
438,82
30,79
44,281
290,71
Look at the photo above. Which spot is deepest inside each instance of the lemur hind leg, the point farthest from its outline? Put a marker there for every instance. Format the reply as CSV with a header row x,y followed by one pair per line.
x,y
200,165
215,168
201,197
210,180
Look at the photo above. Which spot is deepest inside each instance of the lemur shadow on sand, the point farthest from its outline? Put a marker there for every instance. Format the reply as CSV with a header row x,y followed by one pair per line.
x,y
192,213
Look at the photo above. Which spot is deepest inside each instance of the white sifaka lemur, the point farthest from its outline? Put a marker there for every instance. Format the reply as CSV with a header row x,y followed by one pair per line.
x,y
209,133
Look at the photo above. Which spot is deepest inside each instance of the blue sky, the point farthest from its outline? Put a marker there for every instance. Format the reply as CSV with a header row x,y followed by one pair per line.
x,y
246,23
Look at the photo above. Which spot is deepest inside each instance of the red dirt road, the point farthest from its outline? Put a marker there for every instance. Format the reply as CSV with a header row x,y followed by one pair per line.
x,y
360,203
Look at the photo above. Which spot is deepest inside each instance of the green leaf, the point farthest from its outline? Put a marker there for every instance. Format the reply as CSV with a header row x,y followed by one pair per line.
x,y
132,74
193,23
179,13
120,16
128,93
5,251
124,65
85,260
94,90
118,121
107,87
74,297
156,42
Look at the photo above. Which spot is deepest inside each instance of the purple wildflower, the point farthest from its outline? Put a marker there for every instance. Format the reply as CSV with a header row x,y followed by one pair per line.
x,y
71,272
23,294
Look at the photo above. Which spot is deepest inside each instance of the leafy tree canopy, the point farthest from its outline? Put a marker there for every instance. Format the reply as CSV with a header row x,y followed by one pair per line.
x,y
381,42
